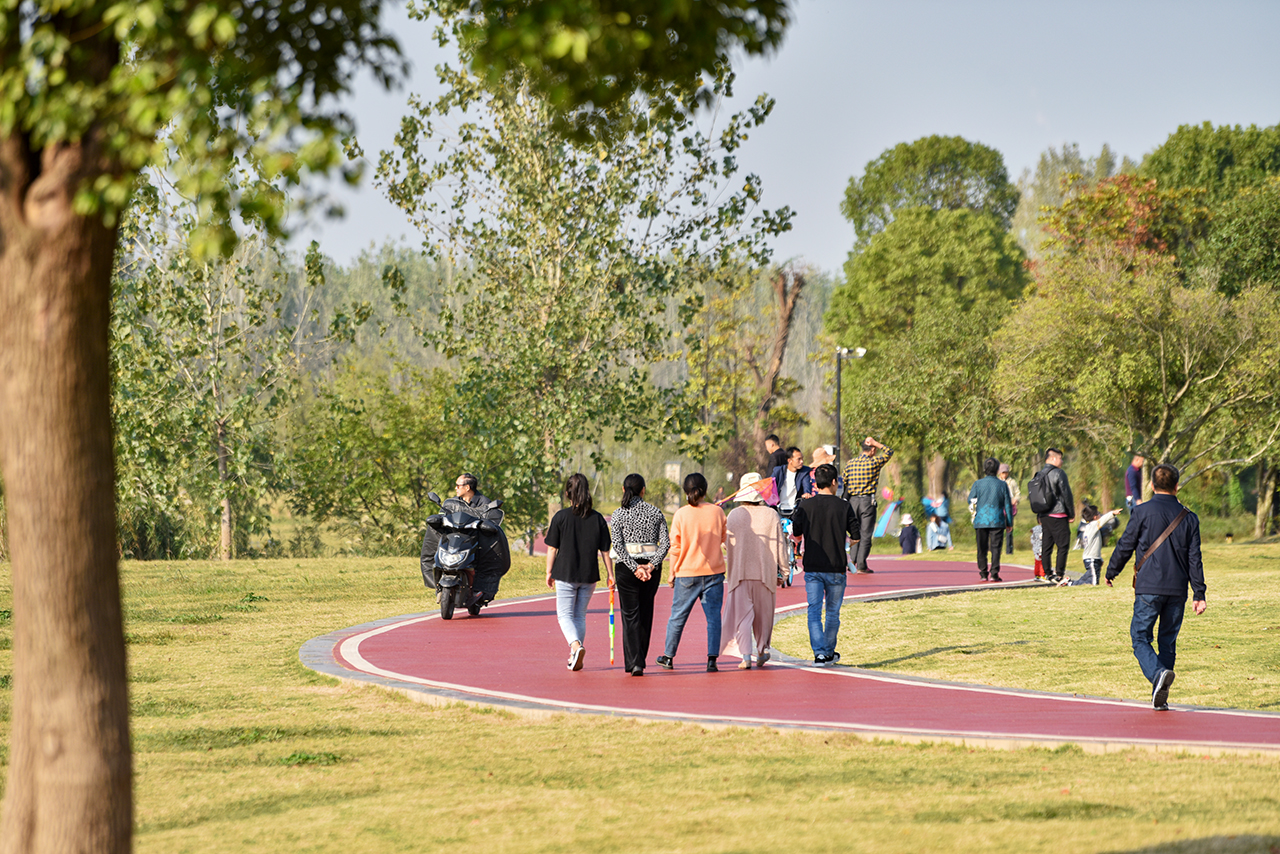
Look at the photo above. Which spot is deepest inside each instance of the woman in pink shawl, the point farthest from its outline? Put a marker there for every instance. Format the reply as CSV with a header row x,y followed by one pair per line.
x,y
756,550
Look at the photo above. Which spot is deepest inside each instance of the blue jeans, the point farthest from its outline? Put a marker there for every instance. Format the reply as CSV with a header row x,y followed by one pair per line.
x,y
572,599
816,586
689,589
1147,608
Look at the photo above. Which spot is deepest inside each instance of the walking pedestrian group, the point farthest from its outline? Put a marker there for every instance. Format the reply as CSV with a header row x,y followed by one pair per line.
x,y
733,566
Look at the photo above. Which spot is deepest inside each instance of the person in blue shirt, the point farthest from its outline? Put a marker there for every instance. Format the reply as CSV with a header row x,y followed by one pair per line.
x,y
938,534
1133,482
992,513
1161,576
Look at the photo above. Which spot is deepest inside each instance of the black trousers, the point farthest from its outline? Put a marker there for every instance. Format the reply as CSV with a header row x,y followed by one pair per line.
x,y
1054,532
635,601
864,508
989,540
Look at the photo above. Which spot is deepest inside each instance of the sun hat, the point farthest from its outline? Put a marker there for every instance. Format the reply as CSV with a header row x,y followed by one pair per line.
x,y
747,480
1004,467
907,520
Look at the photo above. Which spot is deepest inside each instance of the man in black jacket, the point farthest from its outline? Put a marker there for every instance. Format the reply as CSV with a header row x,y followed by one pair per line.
x,y
825,520
1160,586
1055,525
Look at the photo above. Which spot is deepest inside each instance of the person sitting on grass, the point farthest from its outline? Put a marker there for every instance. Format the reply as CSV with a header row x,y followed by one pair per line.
x,y
938,534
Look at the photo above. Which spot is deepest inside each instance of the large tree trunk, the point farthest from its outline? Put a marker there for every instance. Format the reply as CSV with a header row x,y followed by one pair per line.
x,y
69,784
787,287
1268,483
939,475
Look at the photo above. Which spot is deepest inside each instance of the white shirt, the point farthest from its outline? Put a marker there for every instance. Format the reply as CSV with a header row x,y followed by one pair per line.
x,y
787,500
1092,536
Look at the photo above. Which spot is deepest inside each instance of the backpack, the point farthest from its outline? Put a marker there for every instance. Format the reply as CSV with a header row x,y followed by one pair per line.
x,y
1038,494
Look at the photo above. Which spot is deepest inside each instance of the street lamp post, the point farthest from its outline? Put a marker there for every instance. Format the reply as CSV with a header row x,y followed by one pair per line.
x,y
843,353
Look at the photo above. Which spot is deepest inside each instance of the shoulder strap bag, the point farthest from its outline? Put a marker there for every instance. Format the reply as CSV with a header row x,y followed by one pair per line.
x,y
1159,541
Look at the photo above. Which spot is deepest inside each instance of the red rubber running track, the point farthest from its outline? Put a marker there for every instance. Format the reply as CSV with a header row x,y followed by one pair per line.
x,y
513,656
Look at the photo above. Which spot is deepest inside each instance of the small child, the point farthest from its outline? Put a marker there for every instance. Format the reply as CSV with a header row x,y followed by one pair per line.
x,y
1091,540
1036,535
909,536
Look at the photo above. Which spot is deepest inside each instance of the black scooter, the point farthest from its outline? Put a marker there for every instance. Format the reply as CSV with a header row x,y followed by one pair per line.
x,y
461,542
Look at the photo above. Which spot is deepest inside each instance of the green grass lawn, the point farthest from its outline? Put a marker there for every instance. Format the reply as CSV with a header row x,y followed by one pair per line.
x,y
240,747
1076,639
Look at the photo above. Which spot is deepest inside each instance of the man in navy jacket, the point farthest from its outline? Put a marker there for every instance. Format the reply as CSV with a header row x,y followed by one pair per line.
x,y
794,481
1160,588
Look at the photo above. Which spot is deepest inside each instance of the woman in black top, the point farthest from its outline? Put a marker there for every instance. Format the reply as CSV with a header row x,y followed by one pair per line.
x,y
640,545
576,535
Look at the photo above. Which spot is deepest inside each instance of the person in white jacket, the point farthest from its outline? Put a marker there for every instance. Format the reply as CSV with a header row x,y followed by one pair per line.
x,y
1091,537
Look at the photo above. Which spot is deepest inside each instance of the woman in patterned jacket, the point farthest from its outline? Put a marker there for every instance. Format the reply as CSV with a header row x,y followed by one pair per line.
x,y
640,545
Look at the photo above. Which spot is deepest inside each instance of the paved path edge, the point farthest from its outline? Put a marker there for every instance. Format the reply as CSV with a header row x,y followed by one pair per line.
x,y
317,655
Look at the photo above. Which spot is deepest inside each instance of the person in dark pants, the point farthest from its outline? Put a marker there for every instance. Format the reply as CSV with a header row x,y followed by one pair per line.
x,y
1161,575
861,475
1133,482
640,545
1055,525
992,513
824,521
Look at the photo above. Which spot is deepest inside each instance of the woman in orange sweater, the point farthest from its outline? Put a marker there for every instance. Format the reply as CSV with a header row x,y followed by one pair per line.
x,y
697,569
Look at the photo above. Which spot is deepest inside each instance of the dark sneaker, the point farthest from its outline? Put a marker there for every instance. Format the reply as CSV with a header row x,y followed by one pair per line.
x,y
822,660
711,664
637,671
866,571
995,579
835,658
665,662
982,576
1160,691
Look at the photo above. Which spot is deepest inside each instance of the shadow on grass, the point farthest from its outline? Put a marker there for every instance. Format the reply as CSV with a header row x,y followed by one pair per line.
x,y
1214,845
965,649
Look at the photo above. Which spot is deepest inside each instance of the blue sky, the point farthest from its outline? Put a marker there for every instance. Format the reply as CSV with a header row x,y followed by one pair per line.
x,y
854,78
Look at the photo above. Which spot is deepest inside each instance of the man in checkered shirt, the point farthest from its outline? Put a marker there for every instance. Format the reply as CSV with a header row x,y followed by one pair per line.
x,y
861,475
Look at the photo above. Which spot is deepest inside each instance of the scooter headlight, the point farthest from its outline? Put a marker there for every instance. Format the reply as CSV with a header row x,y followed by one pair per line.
x,y
451,558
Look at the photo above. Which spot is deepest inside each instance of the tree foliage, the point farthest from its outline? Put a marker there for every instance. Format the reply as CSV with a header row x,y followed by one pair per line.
x,y
206,354
734,343
1218,161
952,258
585,57
366,450
938,172
567,256
201,89
1113,346
1243,246
922,298
1060,175
1132,215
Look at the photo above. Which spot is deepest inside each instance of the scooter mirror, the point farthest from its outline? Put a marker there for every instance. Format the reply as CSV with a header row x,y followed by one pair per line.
x,y
435,498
